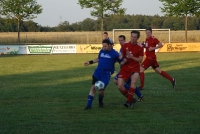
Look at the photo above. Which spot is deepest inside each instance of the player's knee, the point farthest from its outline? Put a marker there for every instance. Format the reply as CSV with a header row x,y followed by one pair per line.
x,y
133,84
120,87
142,69
92,90
157,70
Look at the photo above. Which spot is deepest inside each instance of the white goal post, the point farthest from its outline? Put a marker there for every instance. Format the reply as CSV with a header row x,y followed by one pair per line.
x,y
141,30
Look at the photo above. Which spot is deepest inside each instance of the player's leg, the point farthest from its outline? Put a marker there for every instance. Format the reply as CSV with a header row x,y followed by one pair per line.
x,y
139,94
145,64
137,91
120,85
101,96
105,78
115,79
164,74
91,94
130,99
142,77
122,77
126,85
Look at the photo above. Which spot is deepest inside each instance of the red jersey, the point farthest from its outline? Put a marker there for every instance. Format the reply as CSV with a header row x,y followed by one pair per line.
x,y
136,50
151,42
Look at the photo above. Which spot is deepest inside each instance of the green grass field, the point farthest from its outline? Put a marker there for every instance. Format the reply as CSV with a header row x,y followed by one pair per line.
x,y
47,94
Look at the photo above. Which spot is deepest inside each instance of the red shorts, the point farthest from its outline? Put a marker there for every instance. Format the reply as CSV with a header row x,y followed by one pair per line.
x,y
125,73
150,62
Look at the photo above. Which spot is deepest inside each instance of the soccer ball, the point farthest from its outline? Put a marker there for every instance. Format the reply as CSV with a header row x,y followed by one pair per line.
x,y
99,85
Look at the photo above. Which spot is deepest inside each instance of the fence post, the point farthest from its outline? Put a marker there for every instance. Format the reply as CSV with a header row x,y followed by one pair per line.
x,y
26,38
87,38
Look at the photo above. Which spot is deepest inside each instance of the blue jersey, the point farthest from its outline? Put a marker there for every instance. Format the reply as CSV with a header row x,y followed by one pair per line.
x,y
107,60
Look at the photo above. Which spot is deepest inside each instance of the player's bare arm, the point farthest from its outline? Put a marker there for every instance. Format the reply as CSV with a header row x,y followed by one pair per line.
x,y
158,46
123,61
138,59
87,63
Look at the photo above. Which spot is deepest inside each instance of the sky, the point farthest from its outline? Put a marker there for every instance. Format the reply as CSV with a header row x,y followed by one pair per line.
x,y
56,11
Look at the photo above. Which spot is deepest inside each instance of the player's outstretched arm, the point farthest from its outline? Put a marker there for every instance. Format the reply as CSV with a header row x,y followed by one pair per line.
x,y
87,63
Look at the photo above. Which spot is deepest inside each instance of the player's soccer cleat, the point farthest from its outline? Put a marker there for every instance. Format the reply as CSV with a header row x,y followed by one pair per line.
x,y
140,98
141,88
127,104
100,104
174,83
87,108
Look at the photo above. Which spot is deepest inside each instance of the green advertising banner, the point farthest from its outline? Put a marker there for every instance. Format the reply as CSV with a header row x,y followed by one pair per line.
x,y
40,49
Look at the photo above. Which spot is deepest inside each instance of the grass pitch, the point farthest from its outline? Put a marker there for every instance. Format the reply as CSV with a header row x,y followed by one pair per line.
x,y
47,94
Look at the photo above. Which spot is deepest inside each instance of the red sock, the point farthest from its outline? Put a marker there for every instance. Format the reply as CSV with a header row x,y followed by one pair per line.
x,y
141,79
130,94
125,92
167,76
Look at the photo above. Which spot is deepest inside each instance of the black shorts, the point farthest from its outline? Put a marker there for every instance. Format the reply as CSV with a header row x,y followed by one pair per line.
x,y
94,80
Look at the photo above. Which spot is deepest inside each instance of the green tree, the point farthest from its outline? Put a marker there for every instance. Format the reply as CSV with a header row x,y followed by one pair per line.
x,y
63,27
87,25
103,8
30,26
179,8
157,22
20,10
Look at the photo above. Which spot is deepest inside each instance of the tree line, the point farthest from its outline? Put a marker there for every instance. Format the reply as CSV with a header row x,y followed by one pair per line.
x,y
111,22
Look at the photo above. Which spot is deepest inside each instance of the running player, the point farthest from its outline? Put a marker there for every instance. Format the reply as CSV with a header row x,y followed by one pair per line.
x,y
122,40
151,45
133,52
106,60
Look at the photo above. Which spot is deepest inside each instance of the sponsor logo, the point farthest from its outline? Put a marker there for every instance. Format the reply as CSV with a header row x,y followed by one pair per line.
x,y
64,49
96,48
86,47
92,47
40,49
177,47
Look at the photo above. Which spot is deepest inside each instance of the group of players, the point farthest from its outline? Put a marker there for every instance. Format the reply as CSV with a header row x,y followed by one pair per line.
x,y
130,59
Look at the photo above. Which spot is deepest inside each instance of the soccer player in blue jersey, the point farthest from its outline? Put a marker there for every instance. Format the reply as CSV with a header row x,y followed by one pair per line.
x,y
106,61
122,40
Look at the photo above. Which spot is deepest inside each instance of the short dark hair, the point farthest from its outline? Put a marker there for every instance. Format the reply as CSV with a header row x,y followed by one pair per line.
x,y
149,29
136,32
105,33
122,36
107,41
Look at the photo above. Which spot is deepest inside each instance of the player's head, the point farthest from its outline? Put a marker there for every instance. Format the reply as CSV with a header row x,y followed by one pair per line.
x,y
106,45
105,35
122,39
135,35
148,32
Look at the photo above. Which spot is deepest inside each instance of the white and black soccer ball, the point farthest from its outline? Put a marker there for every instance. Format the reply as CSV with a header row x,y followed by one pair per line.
x,y
99,85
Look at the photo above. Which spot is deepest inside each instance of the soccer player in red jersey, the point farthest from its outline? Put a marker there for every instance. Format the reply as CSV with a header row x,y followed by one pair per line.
x,y
151,44
133,53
